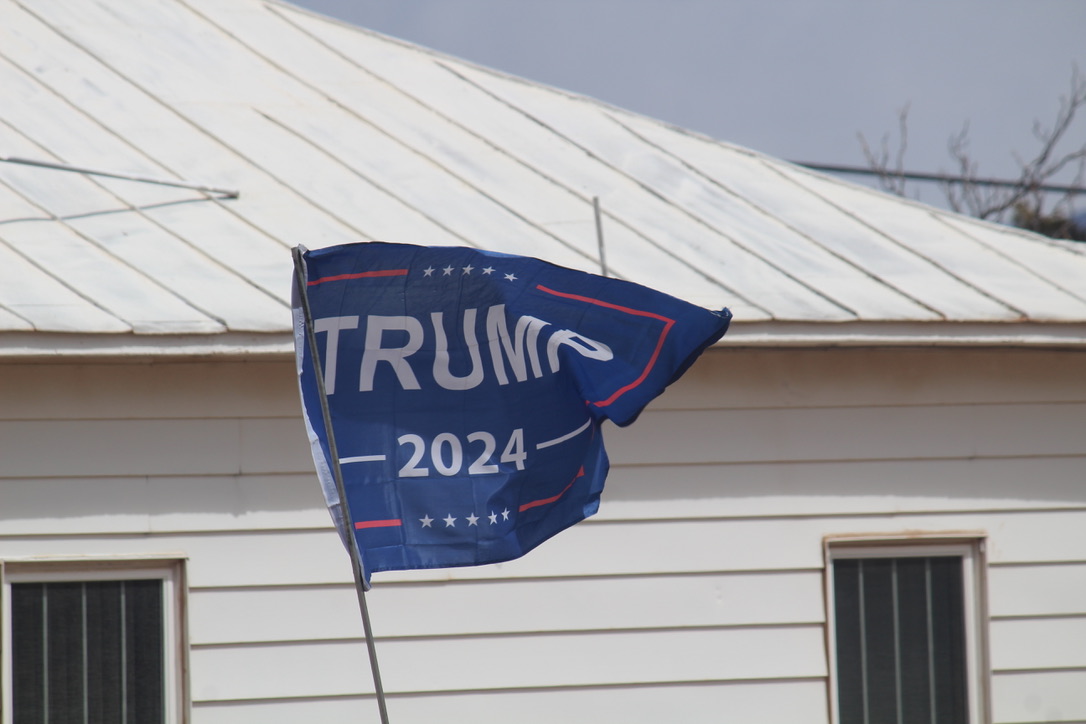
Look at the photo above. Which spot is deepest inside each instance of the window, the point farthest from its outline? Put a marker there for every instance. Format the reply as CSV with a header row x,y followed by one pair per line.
x,y
94,642
905,640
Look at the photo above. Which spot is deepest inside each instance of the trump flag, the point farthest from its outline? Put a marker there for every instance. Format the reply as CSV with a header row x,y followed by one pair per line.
x,y
467,389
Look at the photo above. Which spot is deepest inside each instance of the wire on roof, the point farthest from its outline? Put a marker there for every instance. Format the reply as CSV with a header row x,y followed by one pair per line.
x,y
940,177
222,193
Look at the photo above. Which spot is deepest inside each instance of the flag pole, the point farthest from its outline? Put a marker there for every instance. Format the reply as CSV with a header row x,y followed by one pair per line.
x,y
337,474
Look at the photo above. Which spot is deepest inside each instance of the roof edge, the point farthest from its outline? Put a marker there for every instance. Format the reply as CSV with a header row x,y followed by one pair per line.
x,y
56,346
59,346
910,334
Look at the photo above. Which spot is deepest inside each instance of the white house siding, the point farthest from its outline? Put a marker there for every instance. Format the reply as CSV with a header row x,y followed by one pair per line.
x,y
696,595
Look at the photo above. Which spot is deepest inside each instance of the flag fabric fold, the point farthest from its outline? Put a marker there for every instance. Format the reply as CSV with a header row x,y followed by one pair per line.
x,y
467,390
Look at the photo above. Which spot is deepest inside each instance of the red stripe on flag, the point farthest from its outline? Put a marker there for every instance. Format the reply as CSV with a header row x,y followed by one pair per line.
x,y
668,324
378,524
360,275
548,501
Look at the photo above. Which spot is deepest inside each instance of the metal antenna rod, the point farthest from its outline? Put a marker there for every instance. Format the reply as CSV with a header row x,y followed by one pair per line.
x,y
337,473
599,234
225,193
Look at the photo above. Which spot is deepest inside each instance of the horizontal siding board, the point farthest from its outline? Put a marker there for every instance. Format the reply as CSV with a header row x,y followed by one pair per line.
x,y
701,436
142,504
507,662
161,503
720,379
1037,590
842,488
1047,696
153,447
773,702
300,557
724,378
238,615
176,390
164,447
240,558
1046,643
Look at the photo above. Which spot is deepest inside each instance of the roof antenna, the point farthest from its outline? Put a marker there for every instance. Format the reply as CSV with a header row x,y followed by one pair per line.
x,y
222,193
599,234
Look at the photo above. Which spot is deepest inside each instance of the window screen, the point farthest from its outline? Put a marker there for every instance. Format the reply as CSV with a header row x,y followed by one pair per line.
x,y
900,638
87,652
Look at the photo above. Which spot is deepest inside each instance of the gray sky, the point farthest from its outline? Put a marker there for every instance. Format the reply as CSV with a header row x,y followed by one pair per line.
x,y
797,79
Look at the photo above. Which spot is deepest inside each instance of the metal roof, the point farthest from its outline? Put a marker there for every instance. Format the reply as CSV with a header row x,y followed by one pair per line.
x,y
334,134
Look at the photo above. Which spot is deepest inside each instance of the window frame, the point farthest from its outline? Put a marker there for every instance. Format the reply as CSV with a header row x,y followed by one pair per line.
x,y
169,569
971,549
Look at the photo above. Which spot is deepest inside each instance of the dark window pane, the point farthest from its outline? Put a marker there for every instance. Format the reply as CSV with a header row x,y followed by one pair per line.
x,y
915,652
850,656
878,600
88,652
28,652
64,629
104,654
949,639
900,637
143,607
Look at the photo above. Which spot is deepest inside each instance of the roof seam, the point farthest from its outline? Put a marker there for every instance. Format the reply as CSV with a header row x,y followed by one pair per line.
x,y
505,152
844,259
355,172
203,131
941,219
723,285
892,240
663,199
129,208
411,149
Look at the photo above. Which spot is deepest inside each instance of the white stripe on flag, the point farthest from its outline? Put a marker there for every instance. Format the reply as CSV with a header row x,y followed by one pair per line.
x,y
565,437
362,459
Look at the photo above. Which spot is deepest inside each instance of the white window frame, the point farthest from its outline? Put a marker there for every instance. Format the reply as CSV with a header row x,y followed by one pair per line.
x,y
169,569
971,549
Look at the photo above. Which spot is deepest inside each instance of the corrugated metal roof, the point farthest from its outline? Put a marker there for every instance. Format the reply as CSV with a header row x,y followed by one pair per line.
x,y
335,134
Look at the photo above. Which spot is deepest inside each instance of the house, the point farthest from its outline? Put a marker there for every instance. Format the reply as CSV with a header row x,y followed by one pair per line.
x,y
875,479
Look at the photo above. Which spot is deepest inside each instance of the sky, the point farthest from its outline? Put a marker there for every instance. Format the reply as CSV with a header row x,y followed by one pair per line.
x,y
795,79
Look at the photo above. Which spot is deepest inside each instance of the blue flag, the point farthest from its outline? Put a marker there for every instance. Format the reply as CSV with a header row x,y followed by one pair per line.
x,y
467,389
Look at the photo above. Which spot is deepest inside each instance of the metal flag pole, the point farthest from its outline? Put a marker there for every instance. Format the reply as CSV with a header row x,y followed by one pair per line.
x,y
599,234
337,474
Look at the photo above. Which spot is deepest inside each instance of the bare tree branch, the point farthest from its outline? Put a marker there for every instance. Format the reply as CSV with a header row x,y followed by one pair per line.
x,y
1025,200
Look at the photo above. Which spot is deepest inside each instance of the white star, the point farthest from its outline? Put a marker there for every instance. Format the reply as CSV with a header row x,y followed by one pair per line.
x,y
468,269
488,270
511,277
426,520
450,522
473,520
505,514
493,517
428,271
447,271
